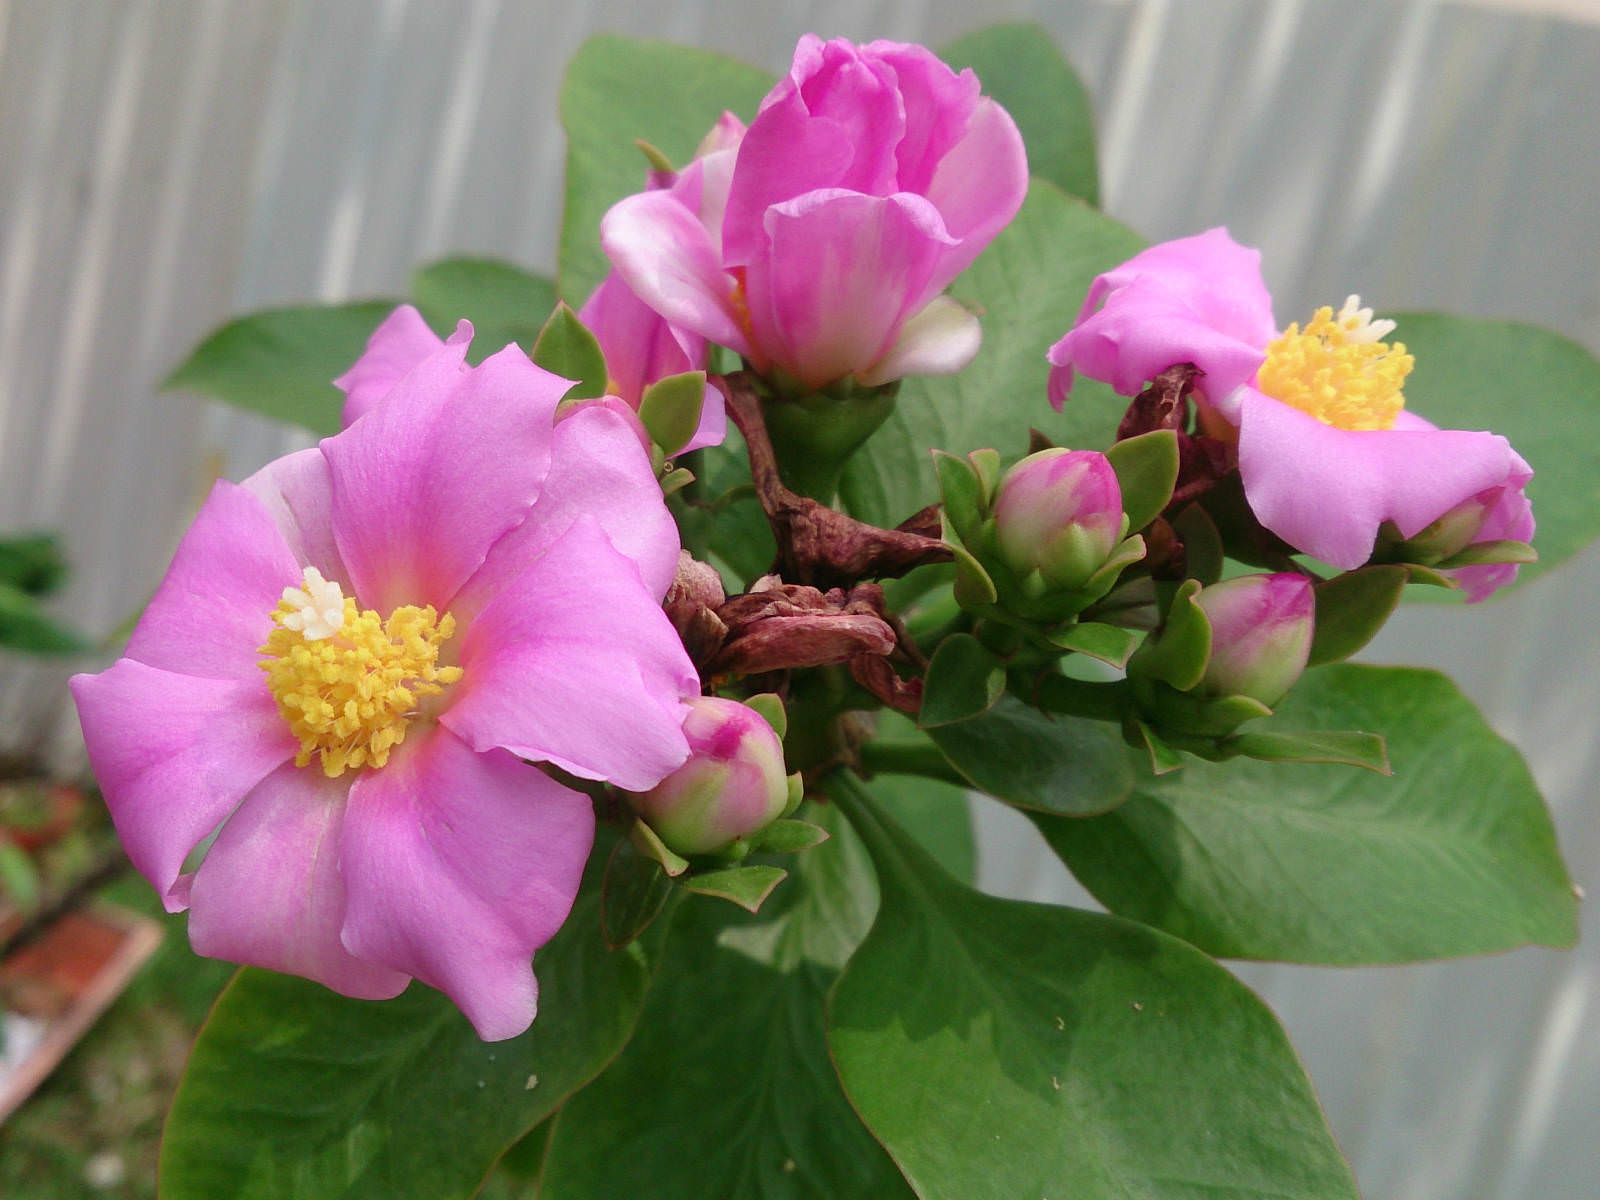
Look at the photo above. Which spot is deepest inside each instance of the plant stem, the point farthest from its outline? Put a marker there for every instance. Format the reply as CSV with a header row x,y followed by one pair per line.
x,y
909,758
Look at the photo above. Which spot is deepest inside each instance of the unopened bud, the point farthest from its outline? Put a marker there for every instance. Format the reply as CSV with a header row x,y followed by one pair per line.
x,y
1059,512
1260,635
732,786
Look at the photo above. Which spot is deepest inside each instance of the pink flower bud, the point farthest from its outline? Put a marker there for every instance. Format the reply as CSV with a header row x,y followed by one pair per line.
x,y
1260,635
1060,512
733,785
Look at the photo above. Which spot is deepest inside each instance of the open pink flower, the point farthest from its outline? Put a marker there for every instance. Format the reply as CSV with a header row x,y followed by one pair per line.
x,y
1327,453
351,656
870,178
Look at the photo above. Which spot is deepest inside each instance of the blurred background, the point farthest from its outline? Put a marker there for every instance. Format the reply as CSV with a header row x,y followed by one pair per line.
x,y
165,164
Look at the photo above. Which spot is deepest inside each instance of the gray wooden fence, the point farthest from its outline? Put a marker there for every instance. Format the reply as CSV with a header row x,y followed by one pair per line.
x,y
165,163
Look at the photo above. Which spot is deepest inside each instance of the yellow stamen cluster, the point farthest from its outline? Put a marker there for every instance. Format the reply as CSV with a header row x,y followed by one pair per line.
x,y
1337,370
348,697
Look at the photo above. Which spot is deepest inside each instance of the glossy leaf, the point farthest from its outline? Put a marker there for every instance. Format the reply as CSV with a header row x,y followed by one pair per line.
x,y
1021,68
1000,1049
504,303
963,681
1110,644
1455,854
748,887
566,348
617,91
295,1093
1028,285
1351,608
281,363
635,889
1147,471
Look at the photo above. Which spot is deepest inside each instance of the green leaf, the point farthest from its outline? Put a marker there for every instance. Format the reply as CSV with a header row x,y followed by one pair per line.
x,y
1111,644
635,889
1021,68
962,494
1178,653
295,1093
1031,759
1163,758
1028,285
25,626
33,564
939,816
504,303
1147,471
1535,387
669,409
964,680
565,347
726,1090
1453,855
1351,608
748,887
282,362
619,90
1000,1049
1367,750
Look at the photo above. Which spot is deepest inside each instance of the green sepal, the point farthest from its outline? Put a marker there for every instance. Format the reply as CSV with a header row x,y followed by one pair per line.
x,y
769,707
1178,715
961,491
1147,471
565,347
973,587
1429,577
797,794
655,157
964,680
986,463
1129,551
676,480
788,837
633,892
1202,544
1111,644
648,843
748,887
1351,608
670,408
1163,758
1351,747
1481,554
1178,654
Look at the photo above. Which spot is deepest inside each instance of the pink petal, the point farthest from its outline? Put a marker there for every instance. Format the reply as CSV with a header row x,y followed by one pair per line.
x,y
1199,299
713,426
574,663
173,754
1510,517
297,492
980,185
842,274
458,866
397,345
938,107
669,260
428,480
600,471
639,344
269,893
1325,491
940,340
214,607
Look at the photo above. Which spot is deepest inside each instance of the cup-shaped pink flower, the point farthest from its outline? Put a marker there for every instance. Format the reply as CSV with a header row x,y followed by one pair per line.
x,y
348,662
733,785
1261,628
1059,512
870,178
1327,451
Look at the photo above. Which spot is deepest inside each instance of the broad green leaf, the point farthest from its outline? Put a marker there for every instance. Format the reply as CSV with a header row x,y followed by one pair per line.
x,y
963,681
1021,68
633,892
1000,1049
617,91
282,362
1028,286
1454,854
1147,471
565,347
1032,759
504,303
295,1093
726,1090
1367,750
33,563
1535,387
1351,608
748,887
1110,644
938,815
25,626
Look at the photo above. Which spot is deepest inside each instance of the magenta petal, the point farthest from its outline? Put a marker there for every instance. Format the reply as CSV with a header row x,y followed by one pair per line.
x,y
269,893
598,470
429,480
297,491
458,866
713,426
843,273
979,186
669,260
174,753
938,105
397,345
1326,491
574,663
214,607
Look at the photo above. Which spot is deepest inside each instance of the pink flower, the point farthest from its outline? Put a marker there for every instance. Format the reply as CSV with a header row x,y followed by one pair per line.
x,y
1327,453
1261,628
1059,512
351,655
870,178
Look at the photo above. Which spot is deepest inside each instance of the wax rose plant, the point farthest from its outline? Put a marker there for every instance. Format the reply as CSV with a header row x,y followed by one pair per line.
x,y
576,745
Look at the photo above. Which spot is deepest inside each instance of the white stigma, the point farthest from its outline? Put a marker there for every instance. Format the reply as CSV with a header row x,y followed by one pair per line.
x,y
1358,324
319,607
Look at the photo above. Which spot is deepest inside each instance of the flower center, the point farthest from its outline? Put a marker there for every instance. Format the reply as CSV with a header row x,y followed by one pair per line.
x,y
347,680
1338,369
